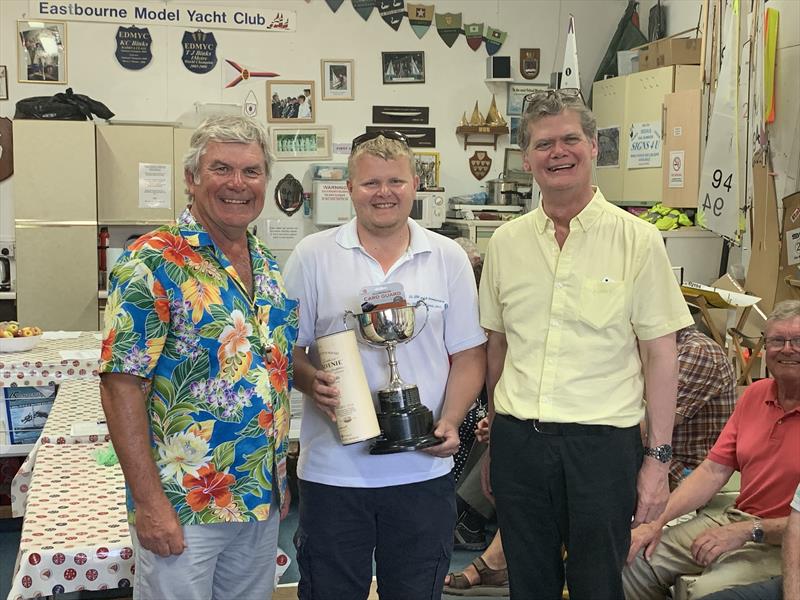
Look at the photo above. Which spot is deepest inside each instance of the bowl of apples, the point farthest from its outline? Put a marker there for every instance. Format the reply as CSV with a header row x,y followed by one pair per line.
x,y
14,338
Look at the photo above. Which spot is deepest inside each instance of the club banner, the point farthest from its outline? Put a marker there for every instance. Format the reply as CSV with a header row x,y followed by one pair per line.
x,y
474,34
449,27
420,17
134,47
188,15
199,51
364,7
392,11
494,40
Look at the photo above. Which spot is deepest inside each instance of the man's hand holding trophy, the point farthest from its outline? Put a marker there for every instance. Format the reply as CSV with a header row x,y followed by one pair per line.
x,y
403,423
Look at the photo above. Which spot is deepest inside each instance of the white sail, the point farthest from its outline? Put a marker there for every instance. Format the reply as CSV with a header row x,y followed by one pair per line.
x,y
719,205
570,78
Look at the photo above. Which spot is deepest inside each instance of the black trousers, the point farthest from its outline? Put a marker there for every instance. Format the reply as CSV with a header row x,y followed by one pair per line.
x,y
576,486
409,528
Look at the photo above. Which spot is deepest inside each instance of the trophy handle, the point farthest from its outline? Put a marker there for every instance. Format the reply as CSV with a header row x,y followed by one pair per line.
x,y
359,336
427,314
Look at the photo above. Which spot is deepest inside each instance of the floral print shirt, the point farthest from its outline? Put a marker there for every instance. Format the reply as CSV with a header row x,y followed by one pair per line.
x,y
179,316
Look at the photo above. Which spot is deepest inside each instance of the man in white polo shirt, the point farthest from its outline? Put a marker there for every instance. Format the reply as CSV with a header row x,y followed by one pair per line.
x,y
401,507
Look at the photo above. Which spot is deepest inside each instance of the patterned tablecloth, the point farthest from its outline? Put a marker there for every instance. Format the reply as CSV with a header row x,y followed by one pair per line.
x,y
76,401
75,535
44,365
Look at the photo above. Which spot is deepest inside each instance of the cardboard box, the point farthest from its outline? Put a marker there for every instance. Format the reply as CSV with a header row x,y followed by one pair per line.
x,y
681,157
627,62
790,251
670,51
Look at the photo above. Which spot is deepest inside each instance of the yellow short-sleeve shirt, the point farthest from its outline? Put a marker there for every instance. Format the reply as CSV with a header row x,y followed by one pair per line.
x,y
572,315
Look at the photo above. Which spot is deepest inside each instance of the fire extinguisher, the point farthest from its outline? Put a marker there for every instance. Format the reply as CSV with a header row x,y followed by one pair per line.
x,y
102,246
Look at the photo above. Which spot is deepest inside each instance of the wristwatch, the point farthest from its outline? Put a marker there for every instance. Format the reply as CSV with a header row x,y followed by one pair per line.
x,y
662,453
757,534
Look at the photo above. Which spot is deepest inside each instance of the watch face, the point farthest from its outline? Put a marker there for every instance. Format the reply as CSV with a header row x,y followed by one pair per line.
x,y
758,534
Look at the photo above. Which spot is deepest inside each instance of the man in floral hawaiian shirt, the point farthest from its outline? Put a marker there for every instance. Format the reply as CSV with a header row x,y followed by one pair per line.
x,y
196,365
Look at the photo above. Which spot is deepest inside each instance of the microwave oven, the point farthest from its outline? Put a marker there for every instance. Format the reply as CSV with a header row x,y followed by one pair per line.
x,y
429,209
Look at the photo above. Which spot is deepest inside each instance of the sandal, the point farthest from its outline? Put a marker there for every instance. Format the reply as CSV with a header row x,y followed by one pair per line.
x,y
491,582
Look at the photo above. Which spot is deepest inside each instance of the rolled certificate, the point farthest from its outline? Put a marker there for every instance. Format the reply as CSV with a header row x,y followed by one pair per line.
x,y
355,415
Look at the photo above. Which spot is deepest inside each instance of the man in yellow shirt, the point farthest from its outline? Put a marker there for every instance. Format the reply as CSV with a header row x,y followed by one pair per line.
x,y
582,309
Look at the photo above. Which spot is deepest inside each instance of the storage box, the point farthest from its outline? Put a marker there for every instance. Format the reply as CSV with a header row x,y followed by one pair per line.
x,y
627,62
670,51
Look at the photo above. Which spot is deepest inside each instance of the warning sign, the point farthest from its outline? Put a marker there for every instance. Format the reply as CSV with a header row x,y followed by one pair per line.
x,y
676,169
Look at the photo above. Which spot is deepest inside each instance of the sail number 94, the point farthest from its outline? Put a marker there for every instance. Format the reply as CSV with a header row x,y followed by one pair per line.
x,y
718,180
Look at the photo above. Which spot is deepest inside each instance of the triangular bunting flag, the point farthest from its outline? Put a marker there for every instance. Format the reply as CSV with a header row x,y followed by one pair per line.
x,y
494,39
334,4
474,34
392,11
449,27
364,7
570,78
420,17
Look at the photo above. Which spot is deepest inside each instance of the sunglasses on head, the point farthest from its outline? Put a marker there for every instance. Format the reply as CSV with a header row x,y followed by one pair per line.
x,y
371,135
567,95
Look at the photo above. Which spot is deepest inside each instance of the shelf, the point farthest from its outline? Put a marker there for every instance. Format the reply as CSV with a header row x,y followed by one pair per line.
x,y
8,295
15,449
482,130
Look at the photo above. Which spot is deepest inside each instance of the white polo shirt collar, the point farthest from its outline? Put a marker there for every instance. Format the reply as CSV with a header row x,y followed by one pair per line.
x,y
347,237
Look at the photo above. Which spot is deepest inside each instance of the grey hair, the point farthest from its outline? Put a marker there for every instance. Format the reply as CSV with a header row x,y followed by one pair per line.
x,y
550,105
784,311
384,148
226,128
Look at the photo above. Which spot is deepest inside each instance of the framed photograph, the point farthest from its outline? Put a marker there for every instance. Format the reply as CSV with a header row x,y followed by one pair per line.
x,y
427,164
42,52
337,79
3,82
290,101
403,67
513,167
518,91
301,143
514,125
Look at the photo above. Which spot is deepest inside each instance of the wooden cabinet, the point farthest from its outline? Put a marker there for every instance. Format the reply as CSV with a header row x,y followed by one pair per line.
x,y
54,172
121,149
626,102
55,203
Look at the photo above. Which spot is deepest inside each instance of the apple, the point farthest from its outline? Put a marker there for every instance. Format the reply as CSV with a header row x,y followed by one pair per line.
x,y
12,327
6,334
27,332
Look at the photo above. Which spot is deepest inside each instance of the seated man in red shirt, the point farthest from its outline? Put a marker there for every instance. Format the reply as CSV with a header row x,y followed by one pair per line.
x,y
741,543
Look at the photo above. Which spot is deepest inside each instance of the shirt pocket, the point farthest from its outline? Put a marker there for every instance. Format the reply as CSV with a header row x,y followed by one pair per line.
x,y
601,302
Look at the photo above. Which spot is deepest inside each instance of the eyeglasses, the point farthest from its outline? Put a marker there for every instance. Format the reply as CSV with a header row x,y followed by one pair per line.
x,y
777,343
371,135
566,95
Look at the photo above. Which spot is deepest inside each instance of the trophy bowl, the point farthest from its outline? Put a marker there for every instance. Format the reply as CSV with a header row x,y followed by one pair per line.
x,y
406,424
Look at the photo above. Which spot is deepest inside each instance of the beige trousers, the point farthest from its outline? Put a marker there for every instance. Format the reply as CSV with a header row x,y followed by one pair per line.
x,y
651,580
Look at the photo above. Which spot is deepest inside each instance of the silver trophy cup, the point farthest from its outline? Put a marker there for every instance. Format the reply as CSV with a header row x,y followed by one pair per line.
x,y
406,423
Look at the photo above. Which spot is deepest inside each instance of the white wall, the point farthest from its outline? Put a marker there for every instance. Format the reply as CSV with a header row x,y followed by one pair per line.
x,y
455,76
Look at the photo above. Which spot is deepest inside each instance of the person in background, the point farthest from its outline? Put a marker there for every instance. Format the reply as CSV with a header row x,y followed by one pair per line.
x,y
303,108
739,544
195,379
706,397
398,507
582,309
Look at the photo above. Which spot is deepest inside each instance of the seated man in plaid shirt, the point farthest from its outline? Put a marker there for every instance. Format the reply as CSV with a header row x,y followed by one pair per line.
x,y
706,396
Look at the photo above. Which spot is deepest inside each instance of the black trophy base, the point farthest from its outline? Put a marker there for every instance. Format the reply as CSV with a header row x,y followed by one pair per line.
x,y
406,424
384,446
